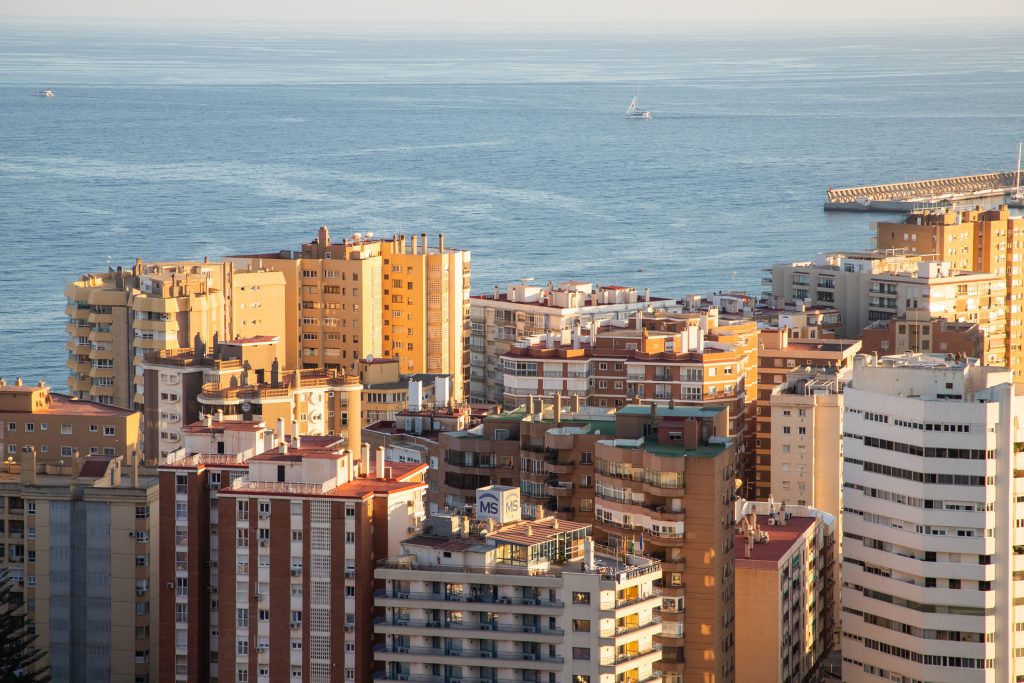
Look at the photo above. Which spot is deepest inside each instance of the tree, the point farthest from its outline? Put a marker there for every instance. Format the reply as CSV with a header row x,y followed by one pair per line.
x,y
19,658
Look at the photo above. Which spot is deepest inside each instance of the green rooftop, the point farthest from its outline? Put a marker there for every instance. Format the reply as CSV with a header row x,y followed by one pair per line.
x,y
677,411
651,445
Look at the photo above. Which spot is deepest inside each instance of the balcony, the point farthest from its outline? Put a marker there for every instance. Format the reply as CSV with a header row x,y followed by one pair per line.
x,y
453,597
399,624
519,657
624,657
624,630
559,489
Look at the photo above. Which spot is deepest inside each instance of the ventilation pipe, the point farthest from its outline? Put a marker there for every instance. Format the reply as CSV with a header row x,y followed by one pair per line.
x,y
380,462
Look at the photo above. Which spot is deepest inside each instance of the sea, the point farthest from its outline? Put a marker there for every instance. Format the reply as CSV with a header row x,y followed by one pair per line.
x,y
178,142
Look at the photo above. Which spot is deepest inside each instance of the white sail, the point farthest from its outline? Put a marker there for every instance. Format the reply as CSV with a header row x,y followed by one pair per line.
x,y
632,105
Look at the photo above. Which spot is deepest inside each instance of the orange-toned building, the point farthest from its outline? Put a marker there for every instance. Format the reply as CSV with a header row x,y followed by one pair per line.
x,y
989,241
367,296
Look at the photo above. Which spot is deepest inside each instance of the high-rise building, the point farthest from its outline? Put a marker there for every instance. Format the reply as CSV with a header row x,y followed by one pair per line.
x,y
874,286
270,574
665,487
375,297
932,526
491,597
500,319
990,241
778,354
806,446
787,582
116,318
78,533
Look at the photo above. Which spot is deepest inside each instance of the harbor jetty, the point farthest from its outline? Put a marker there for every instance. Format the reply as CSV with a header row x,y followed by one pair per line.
x,y
918,194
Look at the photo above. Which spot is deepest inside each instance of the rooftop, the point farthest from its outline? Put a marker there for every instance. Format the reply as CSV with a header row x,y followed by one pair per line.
x,y
534,531
67,405
780,540
673,411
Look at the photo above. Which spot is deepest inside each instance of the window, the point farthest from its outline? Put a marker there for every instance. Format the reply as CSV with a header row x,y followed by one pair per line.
x,y
108,430
582,625
94,428
29,427
243,648
141,512
581,653
12,426
31,509
581,598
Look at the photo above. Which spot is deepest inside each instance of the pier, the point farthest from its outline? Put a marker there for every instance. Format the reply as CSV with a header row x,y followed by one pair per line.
x,y
901,197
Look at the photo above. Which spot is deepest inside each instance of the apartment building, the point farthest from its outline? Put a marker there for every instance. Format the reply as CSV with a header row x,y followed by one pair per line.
x,y
931,522
270,576
493,597
386,298
237,378
388,391
920,332
807,446
778,354
58,426
116,318
787,581
500,319
874,286
78,539
665,487
990,241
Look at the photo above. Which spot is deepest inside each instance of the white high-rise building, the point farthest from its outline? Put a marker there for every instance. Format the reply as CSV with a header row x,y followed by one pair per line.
x,y
933,538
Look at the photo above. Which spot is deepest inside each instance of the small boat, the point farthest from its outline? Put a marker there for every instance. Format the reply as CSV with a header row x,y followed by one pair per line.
x,y
634,111
45,93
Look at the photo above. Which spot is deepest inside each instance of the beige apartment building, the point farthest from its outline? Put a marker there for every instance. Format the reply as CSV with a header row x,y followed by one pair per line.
x,y
806,429
787,582
920,332
874,286
500,319
74,505
116,318
364,297
491,597
990,241
58,426
779,353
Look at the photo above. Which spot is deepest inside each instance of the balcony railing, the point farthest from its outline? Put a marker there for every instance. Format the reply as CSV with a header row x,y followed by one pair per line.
x,y
630,656
454,597
485,654
469,626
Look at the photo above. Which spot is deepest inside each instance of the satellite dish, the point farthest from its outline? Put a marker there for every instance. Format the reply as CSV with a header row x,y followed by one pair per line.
x,y
369,358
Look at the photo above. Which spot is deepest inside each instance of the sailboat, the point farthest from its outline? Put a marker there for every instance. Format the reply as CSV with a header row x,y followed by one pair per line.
x,y
634,111
1017,195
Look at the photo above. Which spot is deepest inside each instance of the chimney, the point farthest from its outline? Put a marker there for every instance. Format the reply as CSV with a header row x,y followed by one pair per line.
x,y
647,293
380,461
207,420
283,448
220,415
135,468
639,321
76,463
297,441
387,473
364,462
295,429
28,466
414,243
440,242
558,408
18,382
575,404
531,406
323,237
280,430
588,552
424,236
348,465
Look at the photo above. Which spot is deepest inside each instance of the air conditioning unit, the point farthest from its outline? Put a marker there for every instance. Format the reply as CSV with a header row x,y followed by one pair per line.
x,y
264,515
169,584
211,589
294,625
529,656
257,596
296,571
348,628
400,650
264,542
485,654
261,648
140,592
131,534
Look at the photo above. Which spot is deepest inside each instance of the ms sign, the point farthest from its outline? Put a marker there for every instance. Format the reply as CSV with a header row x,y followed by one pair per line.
x,y
500,503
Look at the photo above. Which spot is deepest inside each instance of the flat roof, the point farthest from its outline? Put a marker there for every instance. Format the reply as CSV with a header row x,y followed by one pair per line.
x,y
780,540
243,341
62,404
225,426
675,411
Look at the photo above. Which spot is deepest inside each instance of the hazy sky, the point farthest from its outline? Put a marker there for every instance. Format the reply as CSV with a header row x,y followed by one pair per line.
x,y
519,11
